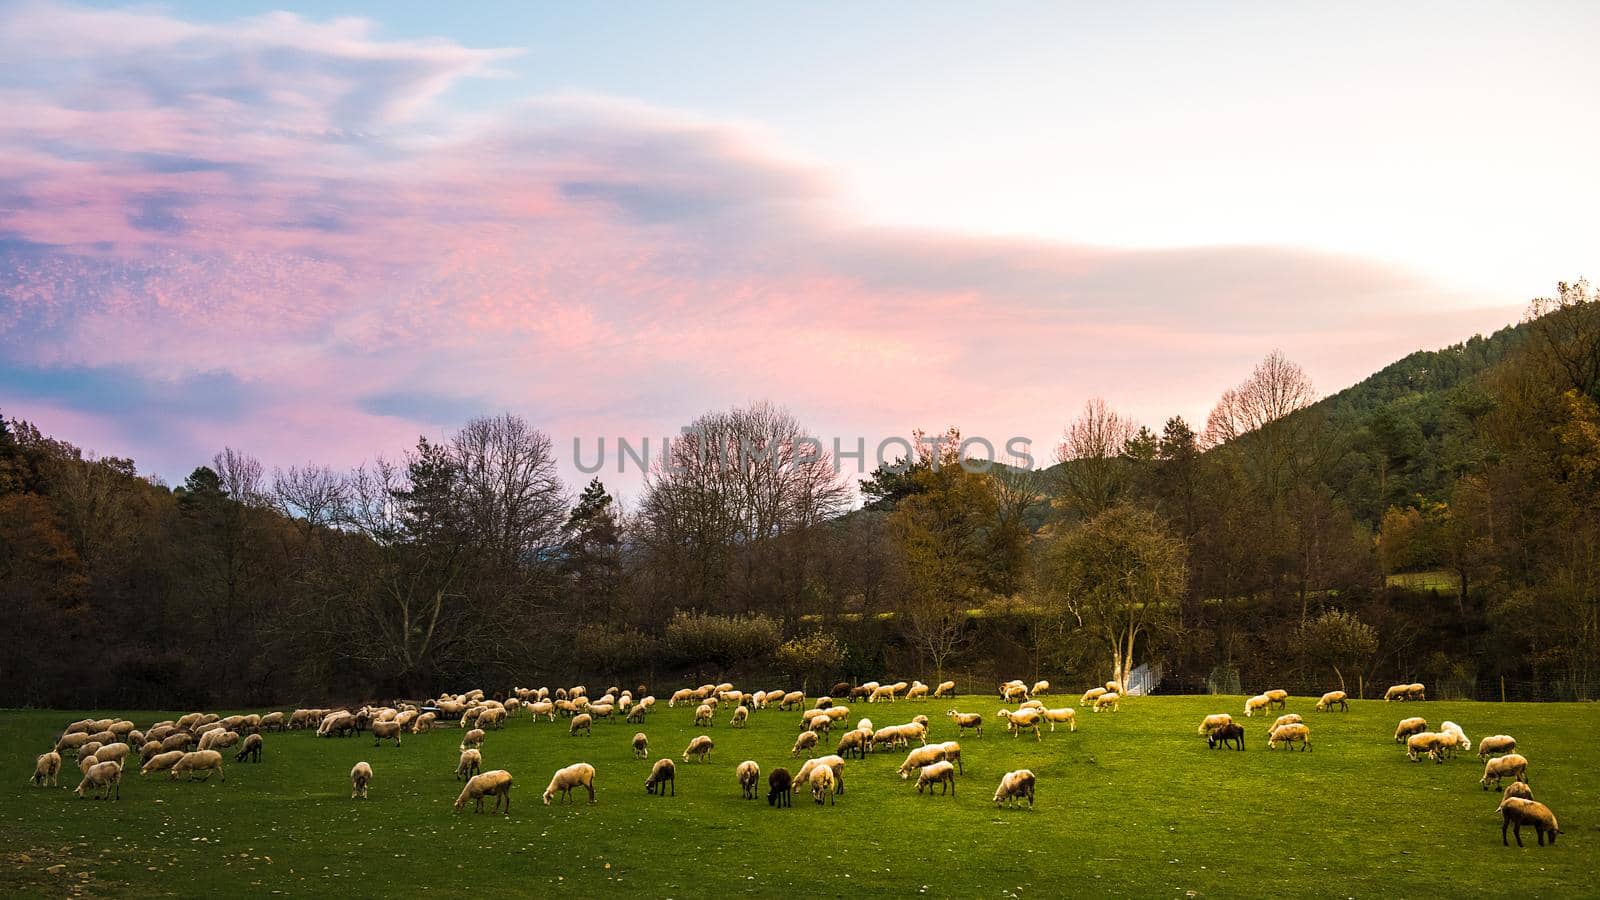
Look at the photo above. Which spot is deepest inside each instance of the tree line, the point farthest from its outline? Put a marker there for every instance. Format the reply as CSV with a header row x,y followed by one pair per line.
x,y
1437,522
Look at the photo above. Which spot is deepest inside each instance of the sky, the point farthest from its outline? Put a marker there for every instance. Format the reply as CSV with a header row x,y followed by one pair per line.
x,y
316,233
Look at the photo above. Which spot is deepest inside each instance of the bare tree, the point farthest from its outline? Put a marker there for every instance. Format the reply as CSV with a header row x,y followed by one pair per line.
x,y
241,476
1092,473
513,499
311,495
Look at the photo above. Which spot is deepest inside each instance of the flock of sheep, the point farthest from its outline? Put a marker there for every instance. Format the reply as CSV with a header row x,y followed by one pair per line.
x,y
1517,806
191,746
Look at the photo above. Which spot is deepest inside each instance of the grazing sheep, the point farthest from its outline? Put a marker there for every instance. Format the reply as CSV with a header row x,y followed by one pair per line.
x,y
1496,745
581,722
945,689
161,762
272,721
473,738
1109,700
1091,695
835,763
196,762
1287,719
1415,692
882,692
47,769
1513,765
805,741
966,720
1013,691
568,778
386,731
360,778
821,724
218,740
699,748
1462,742
792,700
682,695
749,775
662,775
1408,727
470,764
1015,785
1517,789
102,776
702,716
1517,812
854,741
424,722
250,750
641,746
778,788
150,748
636,713
1425,743
920,757
112,753
740,715
1332,699
822,784
86,761
1277,698
1020,721
600,710
1258,703
1212,722
496,784
1065,715
1397,692
183,740
1295,733
1031,704
941,773
952,754
1228,735
71,741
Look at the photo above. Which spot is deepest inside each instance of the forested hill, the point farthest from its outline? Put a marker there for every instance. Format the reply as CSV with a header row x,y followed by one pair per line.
x,y
1263,545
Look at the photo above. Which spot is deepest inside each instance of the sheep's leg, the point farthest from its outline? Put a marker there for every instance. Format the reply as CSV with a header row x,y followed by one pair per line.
x,y
1504,824
1517,830
1539,831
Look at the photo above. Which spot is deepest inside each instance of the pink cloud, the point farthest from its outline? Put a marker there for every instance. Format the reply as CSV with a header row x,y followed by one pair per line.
x,y
253,198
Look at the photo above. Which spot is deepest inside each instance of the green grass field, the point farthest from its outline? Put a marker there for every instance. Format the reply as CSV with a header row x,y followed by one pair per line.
x,y
1133,804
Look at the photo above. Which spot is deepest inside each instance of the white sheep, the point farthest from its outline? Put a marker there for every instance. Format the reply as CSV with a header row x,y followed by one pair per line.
x,y
641,746
823,784
702,715
470,764
805,741
1332,699
945,689
1496,745
1211,723
360,778
1512,765
1021,720
1091,695
1462,741
966,720
749,775
102,776
1287,719
47,769
835,763
1426,743
662,775
473,738
575,775
1517,812
1293,733
198,761
1258,703
1040,687
1015,785
1278,698
917,691
1064,715
941,773
496,784
386,731
161,762
1408,727
581,722
920,757
699,748
1110,700
740,715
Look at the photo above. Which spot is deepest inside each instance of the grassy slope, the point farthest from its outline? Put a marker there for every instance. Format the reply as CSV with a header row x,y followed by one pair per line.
x,y
1132,804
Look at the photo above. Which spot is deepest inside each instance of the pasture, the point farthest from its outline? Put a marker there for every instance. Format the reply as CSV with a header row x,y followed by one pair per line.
x,y
1132,804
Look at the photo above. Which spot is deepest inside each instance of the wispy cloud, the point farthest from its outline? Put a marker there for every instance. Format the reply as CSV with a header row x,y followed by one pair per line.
x,y
274,215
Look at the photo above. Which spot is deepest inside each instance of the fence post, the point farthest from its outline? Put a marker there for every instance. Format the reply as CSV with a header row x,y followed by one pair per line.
x,y
1502,689
1361,687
